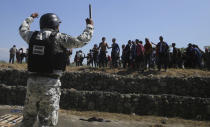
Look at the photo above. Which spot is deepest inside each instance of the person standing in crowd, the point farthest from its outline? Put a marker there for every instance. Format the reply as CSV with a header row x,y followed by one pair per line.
x,y
162,51
148,53
133,54
22,55
128,54
81,57
12,52
139,55
189,56
18,56
95,55
103,50
90,58
197,56
174,56
180,59
115,53
46,64
207,58
123,56
76,58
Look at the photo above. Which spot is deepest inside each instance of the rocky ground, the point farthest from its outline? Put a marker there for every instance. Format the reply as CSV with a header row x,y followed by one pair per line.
x,y
68,118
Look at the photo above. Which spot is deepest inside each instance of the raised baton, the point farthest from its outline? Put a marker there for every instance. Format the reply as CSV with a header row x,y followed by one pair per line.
x,y
90,11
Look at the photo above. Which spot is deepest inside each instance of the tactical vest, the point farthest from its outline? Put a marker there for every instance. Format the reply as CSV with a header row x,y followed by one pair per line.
x,y
44,56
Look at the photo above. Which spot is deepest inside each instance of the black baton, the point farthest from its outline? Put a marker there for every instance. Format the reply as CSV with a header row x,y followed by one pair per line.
x,y
90,11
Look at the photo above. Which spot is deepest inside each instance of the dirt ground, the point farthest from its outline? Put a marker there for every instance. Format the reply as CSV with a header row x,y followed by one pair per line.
x,y
124,72
68,118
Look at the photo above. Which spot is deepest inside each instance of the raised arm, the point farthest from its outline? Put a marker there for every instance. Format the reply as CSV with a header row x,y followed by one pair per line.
x,y
24,29
77,42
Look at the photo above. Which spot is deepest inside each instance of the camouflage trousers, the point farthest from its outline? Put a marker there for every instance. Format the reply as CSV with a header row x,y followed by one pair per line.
x,y
42,102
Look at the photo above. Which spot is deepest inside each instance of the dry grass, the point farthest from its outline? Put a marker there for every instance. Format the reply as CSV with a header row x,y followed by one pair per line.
x,y
133,117
124,72
13,66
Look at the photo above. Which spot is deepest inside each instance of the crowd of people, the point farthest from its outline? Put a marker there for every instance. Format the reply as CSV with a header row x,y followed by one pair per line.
x,y
18,54
141,56
135,55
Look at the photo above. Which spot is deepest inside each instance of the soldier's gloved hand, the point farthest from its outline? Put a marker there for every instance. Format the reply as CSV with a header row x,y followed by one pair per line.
x,y
89,21
34,15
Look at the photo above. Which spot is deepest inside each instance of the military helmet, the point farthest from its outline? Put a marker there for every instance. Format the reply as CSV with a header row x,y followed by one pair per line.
x,y
49,20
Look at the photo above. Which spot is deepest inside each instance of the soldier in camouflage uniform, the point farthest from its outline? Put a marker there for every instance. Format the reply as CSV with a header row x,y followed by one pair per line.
x,y
43,91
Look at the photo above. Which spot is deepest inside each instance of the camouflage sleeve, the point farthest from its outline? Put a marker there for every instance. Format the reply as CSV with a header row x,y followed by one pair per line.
x,y
24,29
76,42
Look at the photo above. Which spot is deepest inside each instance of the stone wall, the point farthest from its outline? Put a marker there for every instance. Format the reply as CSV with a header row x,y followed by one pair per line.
x,y
12,95
172,97
188,86
141,104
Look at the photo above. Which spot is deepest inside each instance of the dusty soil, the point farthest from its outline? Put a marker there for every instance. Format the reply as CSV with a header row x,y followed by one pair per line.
x,y
124,72
68,118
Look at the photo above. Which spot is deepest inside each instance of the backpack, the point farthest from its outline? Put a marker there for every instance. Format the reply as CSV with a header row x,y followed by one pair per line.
x,y
44,56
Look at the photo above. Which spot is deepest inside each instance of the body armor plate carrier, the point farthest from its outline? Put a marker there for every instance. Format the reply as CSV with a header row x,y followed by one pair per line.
x,y
46,55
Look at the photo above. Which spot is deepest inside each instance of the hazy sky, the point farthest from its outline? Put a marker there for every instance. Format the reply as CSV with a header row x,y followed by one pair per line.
x,y
179,21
